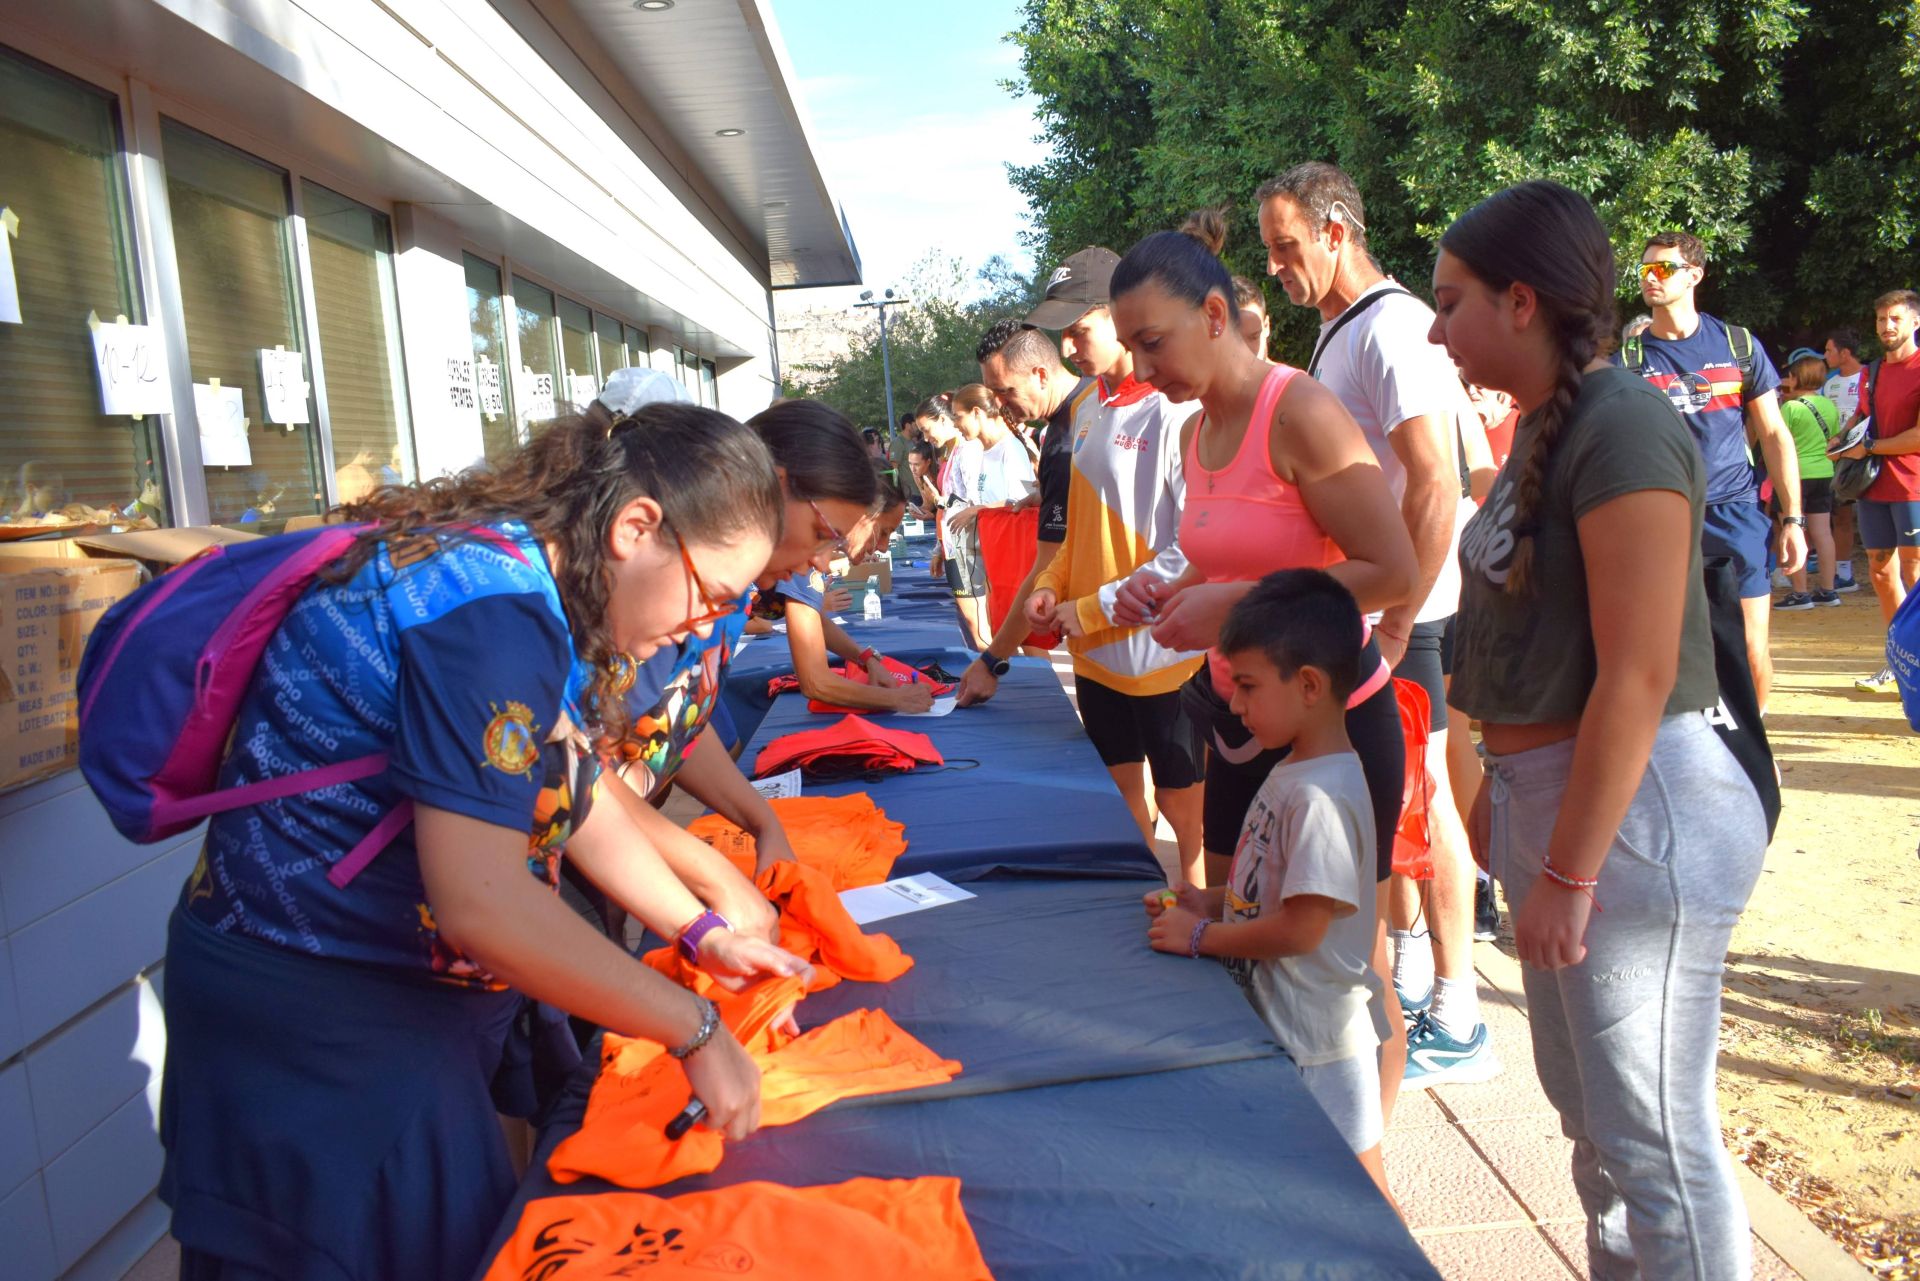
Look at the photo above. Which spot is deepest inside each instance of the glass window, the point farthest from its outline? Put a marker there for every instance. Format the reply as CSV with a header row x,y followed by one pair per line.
x,y
538,390
709,384
690,375
60,175
579,385
353,295
486,316
636,342
237,294
613,352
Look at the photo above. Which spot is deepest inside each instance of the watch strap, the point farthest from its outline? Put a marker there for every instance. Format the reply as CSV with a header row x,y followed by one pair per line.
x,y
997,667
688,939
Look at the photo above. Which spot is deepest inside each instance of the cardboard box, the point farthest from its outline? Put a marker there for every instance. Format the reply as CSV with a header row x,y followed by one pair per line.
x,y
48,608
878,571
155,548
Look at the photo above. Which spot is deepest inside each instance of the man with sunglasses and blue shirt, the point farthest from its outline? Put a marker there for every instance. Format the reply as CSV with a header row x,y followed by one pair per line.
x,y
1721,382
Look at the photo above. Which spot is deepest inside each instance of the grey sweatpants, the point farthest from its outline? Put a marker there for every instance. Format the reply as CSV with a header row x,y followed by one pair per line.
x,y
1626,1041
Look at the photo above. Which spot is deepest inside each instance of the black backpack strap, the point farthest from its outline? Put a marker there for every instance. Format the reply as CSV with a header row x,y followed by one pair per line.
x,y
1633,356
1358,309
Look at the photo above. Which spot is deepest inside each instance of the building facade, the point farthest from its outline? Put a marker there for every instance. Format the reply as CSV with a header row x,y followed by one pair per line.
x,y
368,241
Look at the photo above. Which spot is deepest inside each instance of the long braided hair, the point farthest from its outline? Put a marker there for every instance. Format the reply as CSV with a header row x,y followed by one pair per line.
x,y
1548,237
712,477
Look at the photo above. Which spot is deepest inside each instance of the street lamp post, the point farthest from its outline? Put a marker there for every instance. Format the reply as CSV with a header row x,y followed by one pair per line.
x,y
886,361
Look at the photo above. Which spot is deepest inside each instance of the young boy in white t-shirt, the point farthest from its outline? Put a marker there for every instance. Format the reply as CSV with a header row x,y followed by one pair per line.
x,y
1295,920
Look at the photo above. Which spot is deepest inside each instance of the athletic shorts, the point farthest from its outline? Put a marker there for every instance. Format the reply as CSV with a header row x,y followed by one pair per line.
x,y
1374,729
1425,664
1348,1091
1816,496
1129,728
966,571
1884,526
1740,531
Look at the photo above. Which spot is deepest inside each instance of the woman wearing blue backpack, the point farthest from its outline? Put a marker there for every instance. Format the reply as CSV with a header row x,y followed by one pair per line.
x,y
326,1107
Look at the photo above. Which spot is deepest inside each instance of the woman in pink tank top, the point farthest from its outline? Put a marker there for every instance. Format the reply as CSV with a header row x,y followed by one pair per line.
x,y
1278,476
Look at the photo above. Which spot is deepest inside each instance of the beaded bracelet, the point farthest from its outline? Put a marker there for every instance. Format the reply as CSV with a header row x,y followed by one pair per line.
x,y
1193,944
1583,884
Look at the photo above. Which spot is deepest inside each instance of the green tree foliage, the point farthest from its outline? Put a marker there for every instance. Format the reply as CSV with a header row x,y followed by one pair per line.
x,y
930,342
1784,133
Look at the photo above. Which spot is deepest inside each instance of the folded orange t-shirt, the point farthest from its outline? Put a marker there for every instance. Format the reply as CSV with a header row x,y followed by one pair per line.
x,y
641,1087
902,1228
814,926
848,837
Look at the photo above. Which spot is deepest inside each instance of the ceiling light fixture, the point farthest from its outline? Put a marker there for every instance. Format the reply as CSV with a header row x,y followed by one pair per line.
x,y
653,6
728,133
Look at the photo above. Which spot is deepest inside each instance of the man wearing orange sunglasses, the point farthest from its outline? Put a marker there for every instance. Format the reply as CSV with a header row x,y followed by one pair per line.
x,y
1723,385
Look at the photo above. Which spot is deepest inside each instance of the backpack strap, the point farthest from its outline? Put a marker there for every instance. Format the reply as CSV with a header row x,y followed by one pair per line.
x,y
1350,314
1740,344
1633,356
268,789
371,844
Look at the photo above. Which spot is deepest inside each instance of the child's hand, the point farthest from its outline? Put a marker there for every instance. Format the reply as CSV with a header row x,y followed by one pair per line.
x,y
1158,901
1171,930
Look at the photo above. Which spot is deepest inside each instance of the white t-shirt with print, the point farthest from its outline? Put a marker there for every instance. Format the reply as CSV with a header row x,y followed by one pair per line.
x,y
1005,475
963,479
1844,391
1385,372
1310,831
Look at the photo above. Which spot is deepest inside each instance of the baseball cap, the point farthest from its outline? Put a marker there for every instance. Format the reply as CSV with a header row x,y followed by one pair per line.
x,y
1076,287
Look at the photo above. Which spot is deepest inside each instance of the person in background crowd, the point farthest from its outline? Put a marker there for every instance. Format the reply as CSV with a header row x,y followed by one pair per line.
x,y
1813,420
1888,512
1124,501
1022,368
1843,389
964,566
1722,384
1278,476
1373,354
1586,651
819,453
1255,324
1003,479
326,1107
917,480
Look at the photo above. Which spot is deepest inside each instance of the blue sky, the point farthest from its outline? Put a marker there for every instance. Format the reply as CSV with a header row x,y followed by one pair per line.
x,y
912,127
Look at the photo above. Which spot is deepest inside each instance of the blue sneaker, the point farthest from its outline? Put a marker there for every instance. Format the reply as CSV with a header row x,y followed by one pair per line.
x,y
1434,1058
1413,1010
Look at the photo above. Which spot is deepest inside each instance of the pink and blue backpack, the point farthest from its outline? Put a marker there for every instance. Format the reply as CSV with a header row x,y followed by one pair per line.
x,y
162,680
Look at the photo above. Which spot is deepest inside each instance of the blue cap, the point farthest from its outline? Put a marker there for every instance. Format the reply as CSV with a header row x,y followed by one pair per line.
x,y
1804,353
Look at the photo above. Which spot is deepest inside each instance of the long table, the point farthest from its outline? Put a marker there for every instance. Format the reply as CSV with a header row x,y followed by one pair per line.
x,y
1022,787
1120,1114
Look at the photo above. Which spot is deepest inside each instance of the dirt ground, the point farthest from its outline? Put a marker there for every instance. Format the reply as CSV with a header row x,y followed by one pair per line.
x,y
1820,1038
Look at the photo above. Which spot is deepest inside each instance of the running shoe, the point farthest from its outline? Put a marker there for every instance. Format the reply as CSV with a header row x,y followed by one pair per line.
x,y
1434,1058
1829,600
1486,914
1793,602
1881,682
1411,1010
1845,585
1780,581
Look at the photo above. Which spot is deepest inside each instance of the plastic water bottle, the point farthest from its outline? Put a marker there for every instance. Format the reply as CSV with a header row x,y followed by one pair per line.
x,y
870,609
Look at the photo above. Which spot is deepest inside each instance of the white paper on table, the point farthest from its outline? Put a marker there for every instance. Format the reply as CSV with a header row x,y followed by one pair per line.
x,y
9,285
941,706
780,785
870,903
132,363
222,412
283,378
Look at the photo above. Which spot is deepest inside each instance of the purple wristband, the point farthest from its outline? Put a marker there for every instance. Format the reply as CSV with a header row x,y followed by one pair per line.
x,y
1193,944
688,940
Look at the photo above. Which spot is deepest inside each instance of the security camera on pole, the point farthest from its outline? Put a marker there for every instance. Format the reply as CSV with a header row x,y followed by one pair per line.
x,y
886,363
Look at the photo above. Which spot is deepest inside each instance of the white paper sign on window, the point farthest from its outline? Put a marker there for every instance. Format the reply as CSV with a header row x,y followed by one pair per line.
x,y
283,379
132,364
486,377
582,390
9,285
462,395
223,425
536,396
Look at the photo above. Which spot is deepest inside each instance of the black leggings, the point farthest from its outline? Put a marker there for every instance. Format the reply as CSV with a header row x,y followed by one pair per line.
x,y
1374,728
